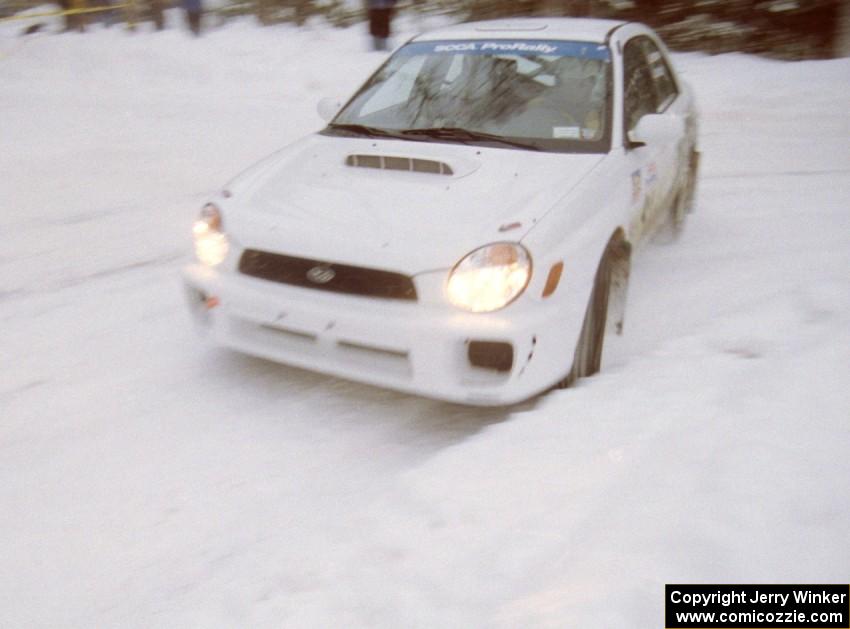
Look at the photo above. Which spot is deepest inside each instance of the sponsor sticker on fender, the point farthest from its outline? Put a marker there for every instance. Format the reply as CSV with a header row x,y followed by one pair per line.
x,y
637,186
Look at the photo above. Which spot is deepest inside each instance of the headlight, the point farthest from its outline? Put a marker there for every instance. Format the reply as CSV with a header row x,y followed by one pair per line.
x,y
210,241
490,278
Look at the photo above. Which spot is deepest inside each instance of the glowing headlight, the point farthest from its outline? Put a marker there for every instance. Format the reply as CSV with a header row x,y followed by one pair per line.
x,y
490,278
210,241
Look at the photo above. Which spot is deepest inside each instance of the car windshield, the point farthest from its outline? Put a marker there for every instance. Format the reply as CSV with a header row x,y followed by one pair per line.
x,y
536,94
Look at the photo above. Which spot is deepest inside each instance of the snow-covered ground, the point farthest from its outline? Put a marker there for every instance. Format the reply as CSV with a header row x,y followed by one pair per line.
x,y
149,481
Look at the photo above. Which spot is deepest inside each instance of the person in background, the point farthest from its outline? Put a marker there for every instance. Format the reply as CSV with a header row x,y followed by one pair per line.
x,y
157,13
74,21
380,16
193,10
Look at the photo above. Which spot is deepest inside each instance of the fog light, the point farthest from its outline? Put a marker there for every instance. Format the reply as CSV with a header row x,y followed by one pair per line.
x,y
491,355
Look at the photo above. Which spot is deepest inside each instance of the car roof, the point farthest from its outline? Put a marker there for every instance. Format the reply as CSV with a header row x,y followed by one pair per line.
x,y
570,29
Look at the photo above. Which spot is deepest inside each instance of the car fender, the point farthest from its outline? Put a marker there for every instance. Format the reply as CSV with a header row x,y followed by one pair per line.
x,y
576,233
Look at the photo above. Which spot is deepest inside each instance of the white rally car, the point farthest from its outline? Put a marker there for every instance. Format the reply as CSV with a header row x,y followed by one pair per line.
x,y
463,226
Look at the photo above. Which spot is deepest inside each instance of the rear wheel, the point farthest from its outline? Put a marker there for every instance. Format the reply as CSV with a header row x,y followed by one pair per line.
x,y
691,185
676,220
683,202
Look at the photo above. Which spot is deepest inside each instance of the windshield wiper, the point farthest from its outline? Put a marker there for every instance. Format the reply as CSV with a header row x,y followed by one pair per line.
x,y
457,134
466,136
371,132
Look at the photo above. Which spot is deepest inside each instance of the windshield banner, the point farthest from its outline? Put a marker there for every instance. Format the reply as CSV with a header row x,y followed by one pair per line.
x,y
524,47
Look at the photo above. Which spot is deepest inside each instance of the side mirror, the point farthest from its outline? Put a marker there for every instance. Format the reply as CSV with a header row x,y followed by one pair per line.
x,y
328,108
657,129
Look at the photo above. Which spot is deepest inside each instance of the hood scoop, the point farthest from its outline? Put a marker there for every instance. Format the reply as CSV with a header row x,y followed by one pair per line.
x,y
394,162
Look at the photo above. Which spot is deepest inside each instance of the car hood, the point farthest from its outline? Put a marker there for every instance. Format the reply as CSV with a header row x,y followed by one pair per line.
x,y
405,206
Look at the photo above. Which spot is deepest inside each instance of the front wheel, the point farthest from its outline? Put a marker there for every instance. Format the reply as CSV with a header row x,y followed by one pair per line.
x,y
587,358
606,306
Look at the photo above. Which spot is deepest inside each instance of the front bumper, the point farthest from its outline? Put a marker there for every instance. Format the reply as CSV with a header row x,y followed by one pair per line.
x,y
409,346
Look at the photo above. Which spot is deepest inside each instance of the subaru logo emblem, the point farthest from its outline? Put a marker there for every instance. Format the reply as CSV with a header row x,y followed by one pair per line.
x,y
321,274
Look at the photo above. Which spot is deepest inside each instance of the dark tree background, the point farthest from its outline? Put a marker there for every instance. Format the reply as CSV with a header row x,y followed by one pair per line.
x,y
785,28
791,29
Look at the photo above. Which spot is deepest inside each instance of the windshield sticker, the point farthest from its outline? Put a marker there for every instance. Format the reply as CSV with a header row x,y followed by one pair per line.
x,y
524,47
566,133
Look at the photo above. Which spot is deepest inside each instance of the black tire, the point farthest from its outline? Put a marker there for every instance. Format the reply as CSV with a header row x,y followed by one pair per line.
x,y
683,202
691,185
587,358
676,220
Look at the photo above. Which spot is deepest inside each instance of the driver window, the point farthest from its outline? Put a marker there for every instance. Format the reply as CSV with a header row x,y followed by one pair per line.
x,y
639,90
661,75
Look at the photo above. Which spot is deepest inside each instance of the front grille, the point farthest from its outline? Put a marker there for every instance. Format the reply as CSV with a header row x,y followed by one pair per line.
x,y
327,276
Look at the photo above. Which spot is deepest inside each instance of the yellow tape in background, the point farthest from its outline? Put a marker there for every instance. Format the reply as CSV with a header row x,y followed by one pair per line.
x,y
129,17
28,16
130,14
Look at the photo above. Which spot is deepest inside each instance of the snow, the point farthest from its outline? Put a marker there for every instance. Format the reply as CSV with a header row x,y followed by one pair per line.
x,y
147,480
